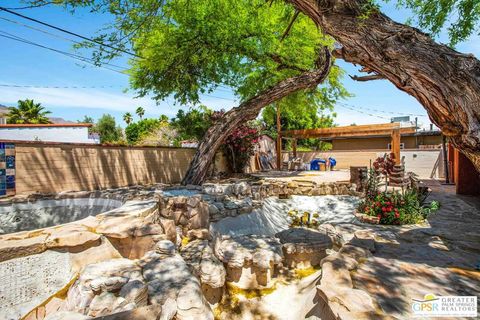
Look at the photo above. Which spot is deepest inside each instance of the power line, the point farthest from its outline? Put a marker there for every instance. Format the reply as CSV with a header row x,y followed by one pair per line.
x,y
32,6
71,55
69,32
389,112
45,32
362,112
211,96
86,87
58,87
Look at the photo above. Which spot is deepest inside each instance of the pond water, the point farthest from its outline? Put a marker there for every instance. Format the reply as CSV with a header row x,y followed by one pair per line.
x,y
46,213
273,216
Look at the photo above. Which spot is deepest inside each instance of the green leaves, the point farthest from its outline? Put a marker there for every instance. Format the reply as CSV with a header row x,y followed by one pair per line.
x,y
108,130
188,48
28,112
135,131
193,124
461,18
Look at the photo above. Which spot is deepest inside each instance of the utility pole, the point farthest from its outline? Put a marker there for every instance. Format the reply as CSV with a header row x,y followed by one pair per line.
x,y
416,129
445,160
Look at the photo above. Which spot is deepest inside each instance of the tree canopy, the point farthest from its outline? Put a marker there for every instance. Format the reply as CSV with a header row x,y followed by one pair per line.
x,y
136,131
108,130
461,18
193,123
186,48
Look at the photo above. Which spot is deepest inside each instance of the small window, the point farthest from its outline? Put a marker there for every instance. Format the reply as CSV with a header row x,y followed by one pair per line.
x,y
402,146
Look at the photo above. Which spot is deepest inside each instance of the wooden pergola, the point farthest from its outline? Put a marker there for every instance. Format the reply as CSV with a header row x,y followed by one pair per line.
x,y
394,130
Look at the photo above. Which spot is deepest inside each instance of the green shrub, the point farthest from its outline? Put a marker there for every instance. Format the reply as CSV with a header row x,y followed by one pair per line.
x,y
137,130
108,130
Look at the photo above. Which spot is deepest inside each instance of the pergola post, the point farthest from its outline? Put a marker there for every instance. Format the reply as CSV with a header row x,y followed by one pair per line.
x,y
395,145
294,147
279,139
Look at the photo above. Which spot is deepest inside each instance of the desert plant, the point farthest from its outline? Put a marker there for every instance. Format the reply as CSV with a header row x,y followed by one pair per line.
x,y
371,186
384,166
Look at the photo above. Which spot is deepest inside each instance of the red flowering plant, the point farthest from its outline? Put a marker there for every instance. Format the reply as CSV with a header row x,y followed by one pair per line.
x,y
397,208
239,146
385,207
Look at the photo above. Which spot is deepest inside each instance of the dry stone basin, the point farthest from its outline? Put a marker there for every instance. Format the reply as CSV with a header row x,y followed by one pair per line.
x,y
15,217
38,265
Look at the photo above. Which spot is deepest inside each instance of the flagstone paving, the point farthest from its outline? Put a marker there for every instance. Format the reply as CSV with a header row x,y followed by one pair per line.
x,y
439,257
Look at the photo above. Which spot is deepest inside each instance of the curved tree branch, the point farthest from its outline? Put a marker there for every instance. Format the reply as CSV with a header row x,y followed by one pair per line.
x,y
249,110
367,78
444,81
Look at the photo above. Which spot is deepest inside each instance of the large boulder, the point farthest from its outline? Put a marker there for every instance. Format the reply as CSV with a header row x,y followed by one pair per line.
x,y
304,248
107,287
250,260
209,270
72,236
172,285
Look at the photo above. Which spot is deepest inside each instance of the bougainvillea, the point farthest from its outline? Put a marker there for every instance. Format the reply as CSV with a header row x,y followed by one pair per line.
x,y
239,146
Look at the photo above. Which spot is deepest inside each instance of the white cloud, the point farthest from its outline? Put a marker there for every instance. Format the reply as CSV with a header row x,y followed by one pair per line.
x,y
84,98
97,99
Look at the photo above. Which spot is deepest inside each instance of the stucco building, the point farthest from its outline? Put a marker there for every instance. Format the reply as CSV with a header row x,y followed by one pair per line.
x,y
431,139
70,133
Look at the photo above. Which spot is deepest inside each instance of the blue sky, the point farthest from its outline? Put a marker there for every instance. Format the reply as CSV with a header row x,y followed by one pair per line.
x,y
23,64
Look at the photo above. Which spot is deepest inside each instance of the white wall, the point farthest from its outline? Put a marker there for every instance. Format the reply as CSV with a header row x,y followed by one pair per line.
x,y
422,162
51,134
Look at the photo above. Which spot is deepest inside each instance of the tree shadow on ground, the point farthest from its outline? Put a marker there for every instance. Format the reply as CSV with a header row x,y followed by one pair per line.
x,y
439,257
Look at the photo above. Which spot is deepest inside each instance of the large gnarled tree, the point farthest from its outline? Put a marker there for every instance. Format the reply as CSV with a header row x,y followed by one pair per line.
x,y
186,49
444,81
190,47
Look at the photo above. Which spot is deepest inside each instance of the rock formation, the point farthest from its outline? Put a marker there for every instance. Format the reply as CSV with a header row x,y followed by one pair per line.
x,y
304,248
251,260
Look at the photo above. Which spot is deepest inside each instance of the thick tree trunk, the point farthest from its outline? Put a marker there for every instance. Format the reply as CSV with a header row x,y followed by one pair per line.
x,y
249,110
444,81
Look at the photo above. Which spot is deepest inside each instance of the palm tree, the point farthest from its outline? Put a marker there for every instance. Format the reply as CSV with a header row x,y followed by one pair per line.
x,y
28,111
140,112
127,117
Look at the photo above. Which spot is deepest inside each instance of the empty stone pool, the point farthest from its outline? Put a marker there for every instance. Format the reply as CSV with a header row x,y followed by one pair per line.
x,y
46,213
273,216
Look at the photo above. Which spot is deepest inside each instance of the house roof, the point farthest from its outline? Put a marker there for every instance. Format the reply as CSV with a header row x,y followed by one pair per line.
x,y
48,125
